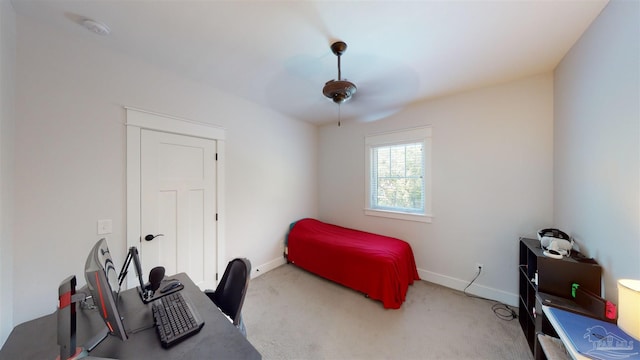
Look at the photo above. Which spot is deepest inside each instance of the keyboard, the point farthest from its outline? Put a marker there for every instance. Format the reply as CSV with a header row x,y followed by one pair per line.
x,y
175,318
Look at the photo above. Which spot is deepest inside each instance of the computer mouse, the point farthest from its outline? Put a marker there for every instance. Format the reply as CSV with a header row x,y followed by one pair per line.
x,y
170,286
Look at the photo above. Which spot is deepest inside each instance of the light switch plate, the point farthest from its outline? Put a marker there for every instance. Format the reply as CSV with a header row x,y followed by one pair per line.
x,y
105,226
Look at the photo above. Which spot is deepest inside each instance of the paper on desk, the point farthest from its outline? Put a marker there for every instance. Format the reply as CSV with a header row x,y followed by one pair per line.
x,y
595,338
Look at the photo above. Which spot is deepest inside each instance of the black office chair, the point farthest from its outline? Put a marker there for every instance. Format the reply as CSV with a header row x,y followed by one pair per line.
x,y
229,295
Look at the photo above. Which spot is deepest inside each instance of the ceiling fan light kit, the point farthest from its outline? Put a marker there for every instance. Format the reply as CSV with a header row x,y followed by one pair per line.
x,y
339,90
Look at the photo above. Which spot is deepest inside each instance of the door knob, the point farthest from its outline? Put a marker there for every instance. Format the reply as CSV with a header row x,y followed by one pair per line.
x,y
151,236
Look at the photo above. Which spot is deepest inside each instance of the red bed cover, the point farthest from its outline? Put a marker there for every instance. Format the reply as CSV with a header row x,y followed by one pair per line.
x,y
382,267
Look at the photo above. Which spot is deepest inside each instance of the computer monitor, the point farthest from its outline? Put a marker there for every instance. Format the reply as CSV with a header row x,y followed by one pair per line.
x,y
102,281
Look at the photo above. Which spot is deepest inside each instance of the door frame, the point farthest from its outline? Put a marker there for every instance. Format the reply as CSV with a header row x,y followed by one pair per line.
x,y
136,120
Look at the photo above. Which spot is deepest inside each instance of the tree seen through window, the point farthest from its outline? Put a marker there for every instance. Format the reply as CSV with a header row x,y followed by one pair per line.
x,y
398,177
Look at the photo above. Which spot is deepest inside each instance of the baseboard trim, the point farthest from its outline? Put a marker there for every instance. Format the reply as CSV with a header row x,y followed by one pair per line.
x,y
264,268
475,289
430,276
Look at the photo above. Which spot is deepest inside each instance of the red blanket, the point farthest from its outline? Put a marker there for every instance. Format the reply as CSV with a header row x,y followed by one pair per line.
x,y
382,267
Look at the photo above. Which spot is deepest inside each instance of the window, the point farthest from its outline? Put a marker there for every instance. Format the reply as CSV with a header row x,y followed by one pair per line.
x,y
399,174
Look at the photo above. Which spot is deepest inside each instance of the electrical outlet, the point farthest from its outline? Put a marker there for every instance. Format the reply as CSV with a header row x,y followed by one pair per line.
x,y
479,267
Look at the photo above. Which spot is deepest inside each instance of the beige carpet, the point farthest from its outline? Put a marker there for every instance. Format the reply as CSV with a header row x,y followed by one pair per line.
x,y
292,314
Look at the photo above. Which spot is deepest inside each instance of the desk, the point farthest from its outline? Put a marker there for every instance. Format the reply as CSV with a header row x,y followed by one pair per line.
x,y
218,339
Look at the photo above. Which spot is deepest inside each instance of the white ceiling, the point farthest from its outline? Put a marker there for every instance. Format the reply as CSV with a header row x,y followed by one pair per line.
x,y
276,53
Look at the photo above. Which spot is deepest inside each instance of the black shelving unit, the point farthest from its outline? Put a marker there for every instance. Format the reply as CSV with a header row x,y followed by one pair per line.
x,y
542,277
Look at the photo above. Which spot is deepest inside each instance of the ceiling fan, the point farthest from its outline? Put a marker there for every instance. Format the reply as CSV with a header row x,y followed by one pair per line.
x,y
339,90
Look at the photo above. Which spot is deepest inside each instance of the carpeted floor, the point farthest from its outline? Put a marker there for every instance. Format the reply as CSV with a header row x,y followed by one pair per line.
x,y
292,314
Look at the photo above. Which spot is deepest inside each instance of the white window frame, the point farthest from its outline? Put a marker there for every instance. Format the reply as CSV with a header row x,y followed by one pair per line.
x,y
422,134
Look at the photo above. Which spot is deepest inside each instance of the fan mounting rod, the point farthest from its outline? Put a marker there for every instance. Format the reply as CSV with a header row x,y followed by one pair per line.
x,y
338,48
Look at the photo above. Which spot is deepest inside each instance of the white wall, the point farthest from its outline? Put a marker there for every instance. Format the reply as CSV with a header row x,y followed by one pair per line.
x,y
492,181
7,128
597,142
70,159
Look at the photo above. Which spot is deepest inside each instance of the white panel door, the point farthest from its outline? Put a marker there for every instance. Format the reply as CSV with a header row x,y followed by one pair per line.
x,y
178,201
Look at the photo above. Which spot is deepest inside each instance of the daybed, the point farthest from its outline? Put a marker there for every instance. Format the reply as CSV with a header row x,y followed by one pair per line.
x,y
379,266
